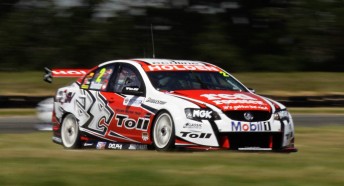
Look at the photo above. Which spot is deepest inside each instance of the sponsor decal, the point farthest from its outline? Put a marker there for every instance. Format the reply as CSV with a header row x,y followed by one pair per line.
x,y
145,136
192,126
137,147
133,101
116,146
85,86
124,120
206,114
150,100
96,85
69,72
130,112
199,114
87,81
238,98
132,88
88,144
250,126
195,135
246,107
177,62
228,96
101,145
180,68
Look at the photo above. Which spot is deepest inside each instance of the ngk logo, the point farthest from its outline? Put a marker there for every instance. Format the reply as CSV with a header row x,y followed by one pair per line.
x,y
202,114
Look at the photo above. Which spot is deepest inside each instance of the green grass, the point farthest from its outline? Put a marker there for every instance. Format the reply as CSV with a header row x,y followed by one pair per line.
x,y
32,159
298,83
17,112
29,83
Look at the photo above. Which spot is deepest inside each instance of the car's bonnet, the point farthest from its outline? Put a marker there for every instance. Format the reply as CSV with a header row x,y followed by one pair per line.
x,y
227,100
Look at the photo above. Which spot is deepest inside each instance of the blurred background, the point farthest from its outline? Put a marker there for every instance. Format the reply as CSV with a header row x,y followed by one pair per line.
x,y
278,47
238,35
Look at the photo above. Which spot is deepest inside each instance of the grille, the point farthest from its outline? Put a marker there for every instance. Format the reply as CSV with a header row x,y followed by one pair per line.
x,y
257,115
255,139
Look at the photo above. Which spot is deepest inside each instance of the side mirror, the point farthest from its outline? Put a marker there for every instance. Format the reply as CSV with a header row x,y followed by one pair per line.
x,y
132,90
252,90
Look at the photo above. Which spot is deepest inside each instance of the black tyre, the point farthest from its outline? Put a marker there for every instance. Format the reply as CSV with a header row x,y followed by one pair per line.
x,y
70,133
163,132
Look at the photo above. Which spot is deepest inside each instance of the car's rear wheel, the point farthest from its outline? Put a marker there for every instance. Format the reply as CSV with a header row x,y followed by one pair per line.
x,y
70,133
163,132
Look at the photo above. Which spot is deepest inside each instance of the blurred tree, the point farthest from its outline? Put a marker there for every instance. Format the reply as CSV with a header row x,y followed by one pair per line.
x,y
214,45
260,35
317,28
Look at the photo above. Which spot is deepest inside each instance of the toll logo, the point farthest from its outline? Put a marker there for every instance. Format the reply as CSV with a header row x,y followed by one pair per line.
x,y
250,127
196,135
129,123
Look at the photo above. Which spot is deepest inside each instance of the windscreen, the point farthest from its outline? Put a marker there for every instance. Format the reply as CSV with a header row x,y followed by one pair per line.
x,y
193,80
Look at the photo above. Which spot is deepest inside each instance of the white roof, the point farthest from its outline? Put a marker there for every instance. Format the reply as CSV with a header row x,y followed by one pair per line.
x,y
154,61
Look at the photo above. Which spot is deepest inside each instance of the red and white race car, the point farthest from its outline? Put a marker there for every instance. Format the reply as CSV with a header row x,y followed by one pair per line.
x,y
166,104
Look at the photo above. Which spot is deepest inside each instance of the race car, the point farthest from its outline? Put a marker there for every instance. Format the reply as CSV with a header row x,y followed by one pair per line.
x,y
166,105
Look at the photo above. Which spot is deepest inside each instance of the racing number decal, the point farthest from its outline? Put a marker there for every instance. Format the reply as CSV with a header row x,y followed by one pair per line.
x,y
224,74
101,74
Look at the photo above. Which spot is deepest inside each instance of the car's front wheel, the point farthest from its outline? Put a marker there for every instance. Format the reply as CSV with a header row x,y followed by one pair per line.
x,y
70,133
163,132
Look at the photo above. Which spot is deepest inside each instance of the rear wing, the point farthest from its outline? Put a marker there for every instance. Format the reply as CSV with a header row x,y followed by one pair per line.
x,y
69,73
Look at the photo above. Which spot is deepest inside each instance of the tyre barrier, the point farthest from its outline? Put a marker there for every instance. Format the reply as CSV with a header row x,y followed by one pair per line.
x,y
311,101
20,101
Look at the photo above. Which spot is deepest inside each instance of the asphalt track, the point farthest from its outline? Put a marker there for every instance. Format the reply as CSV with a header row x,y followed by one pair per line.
x,y
24,124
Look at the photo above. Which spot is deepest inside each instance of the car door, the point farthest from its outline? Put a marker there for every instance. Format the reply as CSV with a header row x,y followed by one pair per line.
x,y
126,93
92,107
